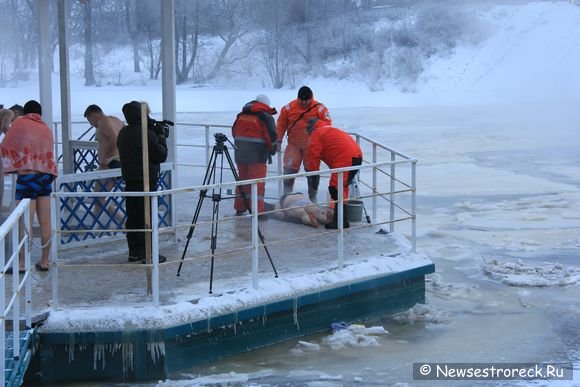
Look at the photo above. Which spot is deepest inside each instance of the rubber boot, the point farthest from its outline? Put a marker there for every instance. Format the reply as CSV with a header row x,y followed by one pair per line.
x,y
313,182
288,186
334,224
312,195
289,183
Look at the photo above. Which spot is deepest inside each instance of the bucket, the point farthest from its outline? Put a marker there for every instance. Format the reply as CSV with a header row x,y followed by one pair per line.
x,y
354,210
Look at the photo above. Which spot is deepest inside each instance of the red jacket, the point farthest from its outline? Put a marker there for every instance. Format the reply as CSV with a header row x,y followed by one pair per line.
x,y
254,133
331,145
294,119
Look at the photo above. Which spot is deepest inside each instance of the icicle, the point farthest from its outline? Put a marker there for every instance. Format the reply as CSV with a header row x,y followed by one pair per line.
x,y
127,354
71,348
98,354
295,313
235,323
264,316
156,349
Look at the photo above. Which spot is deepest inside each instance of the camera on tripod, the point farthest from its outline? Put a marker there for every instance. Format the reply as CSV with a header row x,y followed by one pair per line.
x,y
220,138
161,127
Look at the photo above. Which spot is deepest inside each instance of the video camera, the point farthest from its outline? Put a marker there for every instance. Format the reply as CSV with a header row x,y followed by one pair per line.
x,y
220,138
161,127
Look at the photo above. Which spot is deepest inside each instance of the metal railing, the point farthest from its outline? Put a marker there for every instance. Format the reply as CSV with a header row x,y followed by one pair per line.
x,y
10,299
386,176
404,214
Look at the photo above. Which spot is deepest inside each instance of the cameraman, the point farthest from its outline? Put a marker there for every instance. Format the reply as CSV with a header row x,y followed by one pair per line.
x,y
131,156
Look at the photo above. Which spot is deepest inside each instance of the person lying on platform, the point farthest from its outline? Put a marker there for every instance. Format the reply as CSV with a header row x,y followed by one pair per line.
x,y
298,208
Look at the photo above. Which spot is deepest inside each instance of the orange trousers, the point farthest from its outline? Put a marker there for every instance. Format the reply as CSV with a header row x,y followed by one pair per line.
x,y
248,172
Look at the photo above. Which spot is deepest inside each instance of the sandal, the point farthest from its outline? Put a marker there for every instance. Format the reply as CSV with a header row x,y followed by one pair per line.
x,y
39,267
9,271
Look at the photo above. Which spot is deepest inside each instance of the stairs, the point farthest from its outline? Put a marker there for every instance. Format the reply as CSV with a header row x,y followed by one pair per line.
x,y
15,367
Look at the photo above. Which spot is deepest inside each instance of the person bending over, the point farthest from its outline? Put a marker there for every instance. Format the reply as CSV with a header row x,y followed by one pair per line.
x,y
337,149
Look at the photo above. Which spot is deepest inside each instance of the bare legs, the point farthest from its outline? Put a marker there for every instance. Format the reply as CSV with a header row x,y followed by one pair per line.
x,y
40,207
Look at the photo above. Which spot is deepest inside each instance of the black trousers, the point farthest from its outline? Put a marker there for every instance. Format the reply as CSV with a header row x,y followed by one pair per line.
x,y
136,216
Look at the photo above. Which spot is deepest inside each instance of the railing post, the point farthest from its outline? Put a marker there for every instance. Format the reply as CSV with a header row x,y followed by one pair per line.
x,y
392,196
15,282
340,218
374,183
280,171
207,145
56,140
255,240
54,225
413,205
2,308
155,251
27,267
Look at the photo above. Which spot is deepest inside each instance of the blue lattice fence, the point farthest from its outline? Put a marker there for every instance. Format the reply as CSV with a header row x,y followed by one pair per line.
x,y
89,215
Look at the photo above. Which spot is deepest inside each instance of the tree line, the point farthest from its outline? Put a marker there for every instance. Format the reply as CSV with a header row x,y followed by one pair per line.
x,y
275,41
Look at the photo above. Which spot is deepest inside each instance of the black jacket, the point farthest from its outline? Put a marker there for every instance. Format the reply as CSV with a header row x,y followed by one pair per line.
x,y
131,150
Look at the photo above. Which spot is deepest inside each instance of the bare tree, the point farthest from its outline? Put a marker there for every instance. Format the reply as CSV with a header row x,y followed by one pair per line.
x,y
131,20
232,20
187,31
88,35
274,60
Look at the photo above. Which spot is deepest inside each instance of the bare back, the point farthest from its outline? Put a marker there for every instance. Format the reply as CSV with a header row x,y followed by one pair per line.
x,y
106,135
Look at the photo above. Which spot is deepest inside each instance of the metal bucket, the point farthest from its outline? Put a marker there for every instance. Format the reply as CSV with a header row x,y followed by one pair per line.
x,y
354,210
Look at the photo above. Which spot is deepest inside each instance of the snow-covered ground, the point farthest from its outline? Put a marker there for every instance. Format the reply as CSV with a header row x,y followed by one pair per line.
x,y
496,130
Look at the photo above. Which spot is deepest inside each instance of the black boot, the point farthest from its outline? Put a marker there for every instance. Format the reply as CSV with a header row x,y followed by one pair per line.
x,y
334,224
289,183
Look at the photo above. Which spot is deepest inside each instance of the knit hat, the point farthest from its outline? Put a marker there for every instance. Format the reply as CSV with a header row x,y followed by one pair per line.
x,y
32,107
263,98
305,93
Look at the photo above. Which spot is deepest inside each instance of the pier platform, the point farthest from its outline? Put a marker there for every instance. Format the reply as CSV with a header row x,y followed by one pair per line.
x,y
106,328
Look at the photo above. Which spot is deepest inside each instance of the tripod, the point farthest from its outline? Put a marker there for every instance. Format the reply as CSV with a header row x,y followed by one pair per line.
x,y
219,149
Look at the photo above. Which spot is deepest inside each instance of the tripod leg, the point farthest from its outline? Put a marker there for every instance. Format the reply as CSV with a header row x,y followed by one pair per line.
x,y
213,242
215,223
208,176
249,206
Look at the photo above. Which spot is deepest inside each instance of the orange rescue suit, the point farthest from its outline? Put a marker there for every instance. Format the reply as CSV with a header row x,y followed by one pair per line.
x,y
294,118
336,148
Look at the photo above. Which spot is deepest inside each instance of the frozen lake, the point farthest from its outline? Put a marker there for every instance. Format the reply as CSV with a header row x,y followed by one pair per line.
x,y
498,213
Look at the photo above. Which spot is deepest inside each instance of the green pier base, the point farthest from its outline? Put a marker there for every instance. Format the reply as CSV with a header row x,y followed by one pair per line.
x,y
142,355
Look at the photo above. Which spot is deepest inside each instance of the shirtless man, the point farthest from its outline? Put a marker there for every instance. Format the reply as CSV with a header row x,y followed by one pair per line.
x,y
107,129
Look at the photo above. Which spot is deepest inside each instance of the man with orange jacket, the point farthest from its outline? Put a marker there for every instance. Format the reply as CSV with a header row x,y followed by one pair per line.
x,y
254,133
337,149
293,120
